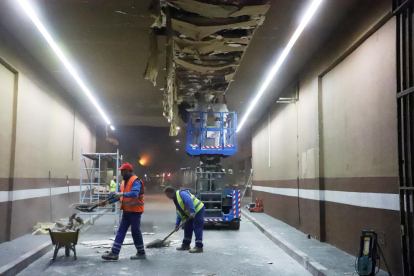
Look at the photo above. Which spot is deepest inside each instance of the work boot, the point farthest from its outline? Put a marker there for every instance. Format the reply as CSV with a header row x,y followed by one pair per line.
x,y
110,256
139,257
184,247
196,250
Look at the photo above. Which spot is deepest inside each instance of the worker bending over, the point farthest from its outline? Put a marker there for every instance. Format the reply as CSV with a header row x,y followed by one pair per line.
x,y
132,201
189,209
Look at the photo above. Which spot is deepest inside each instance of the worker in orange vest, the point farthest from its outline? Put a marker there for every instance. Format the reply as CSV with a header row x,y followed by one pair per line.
x,y
132,202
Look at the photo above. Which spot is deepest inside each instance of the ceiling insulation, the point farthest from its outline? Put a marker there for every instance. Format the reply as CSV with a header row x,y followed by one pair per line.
x,y
205,42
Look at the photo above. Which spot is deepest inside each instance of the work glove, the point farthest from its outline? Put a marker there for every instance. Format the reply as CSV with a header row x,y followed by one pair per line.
x,y
191,216
102,203
177,228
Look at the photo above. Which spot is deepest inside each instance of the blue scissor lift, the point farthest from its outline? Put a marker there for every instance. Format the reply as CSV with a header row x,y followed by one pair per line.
x,y
212,136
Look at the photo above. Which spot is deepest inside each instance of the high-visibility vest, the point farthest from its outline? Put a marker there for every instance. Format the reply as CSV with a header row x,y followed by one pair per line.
x,y
197,204
112,186
131,204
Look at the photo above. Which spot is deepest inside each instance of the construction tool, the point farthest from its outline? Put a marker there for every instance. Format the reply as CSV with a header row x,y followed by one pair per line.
x,y
90,209
258,207
160,243
368,254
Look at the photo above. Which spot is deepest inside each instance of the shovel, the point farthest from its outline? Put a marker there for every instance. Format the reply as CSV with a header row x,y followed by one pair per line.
x,y
159,243
88,209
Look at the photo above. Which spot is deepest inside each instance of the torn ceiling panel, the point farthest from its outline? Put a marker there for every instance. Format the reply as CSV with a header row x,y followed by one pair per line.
x,y
206,40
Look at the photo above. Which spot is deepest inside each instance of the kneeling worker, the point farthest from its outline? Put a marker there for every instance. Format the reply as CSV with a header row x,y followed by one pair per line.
x,y
191,209
132,203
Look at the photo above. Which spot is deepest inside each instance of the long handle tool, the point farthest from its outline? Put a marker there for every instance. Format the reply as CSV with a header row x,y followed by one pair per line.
x,y
88,209
160,243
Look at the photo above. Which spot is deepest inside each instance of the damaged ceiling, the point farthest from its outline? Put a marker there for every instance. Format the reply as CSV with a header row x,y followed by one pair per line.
x,y
205,45
205,42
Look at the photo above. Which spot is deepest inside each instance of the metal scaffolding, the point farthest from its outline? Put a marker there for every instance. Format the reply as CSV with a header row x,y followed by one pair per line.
x,y
93,171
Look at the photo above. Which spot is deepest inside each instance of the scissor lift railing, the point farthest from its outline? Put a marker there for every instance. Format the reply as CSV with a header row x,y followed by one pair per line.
x,y
210,189
91,164
211,133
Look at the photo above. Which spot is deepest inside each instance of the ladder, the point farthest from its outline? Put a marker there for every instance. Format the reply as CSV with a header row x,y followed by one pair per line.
x,y
248,184
91,170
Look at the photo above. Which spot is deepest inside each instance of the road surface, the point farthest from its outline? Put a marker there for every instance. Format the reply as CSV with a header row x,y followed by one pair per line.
x,y
226,252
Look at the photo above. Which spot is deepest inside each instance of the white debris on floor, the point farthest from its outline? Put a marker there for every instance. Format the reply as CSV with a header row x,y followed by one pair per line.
x,y
105,243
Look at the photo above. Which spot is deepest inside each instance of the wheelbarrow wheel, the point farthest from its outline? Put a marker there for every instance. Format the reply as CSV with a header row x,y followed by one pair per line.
x,y
67,250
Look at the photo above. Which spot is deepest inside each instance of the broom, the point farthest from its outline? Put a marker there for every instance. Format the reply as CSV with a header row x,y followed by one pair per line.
x,y
160,243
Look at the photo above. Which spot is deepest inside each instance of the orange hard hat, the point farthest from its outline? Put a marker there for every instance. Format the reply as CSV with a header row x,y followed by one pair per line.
x,y
126,166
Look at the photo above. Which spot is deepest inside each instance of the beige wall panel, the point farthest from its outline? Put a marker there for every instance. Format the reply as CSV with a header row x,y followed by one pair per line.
x,y
283,143
6,119
359,110
308,144
44,132
45,137
260,151
84,139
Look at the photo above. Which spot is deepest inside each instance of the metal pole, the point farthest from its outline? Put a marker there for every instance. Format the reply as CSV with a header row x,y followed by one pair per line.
x,y
50,199
99,176
80,178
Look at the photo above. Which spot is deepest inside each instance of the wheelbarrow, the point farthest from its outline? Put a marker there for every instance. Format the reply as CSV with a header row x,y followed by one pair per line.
x,y
68,240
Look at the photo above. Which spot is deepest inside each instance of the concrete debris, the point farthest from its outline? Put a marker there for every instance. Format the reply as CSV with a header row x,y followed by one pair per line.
x,y
200,32
204,69
157,244
270,262
204,46
146,233
75,223
40,228
151,72
218,11
252,11
204,9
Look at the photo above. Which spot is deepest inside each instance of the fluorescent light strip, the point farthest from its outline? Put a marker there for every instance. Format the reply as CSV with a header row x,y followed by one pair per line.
x,y
305,20
30,12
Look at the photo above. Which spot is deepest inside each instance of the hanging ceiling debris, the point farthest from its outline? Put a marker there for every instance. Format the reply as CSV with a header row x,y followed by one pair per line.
x,y
205,42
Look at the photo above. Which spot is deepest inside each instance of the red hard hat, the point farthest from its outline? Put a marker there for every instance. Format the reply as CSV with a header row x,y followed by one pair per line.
x,y
126,166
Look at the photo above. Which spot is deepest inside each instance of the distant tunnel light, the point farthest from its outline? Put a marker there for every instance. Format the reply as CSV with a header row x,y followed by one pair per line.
x,y
112,127
177,141
309,13
30,12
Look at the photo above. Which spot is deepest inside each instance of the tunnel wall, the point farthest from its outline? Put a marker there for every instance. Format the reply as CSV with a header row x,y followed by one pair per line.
x,y
40,145
333,168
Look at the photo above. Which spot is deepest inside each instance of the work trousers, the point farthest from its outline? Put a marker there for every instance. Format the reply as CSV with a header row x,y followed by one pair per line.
x,y
132,219
196,224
